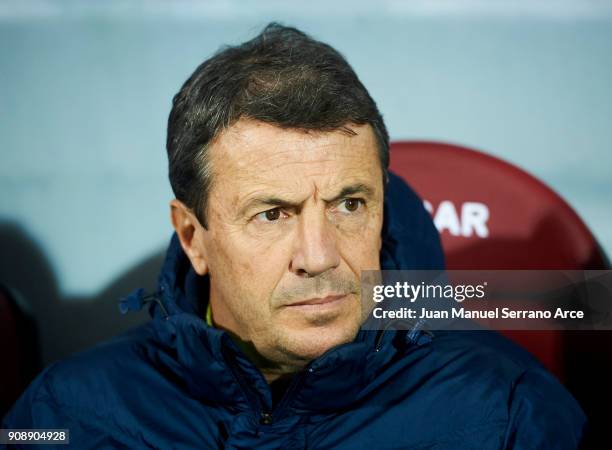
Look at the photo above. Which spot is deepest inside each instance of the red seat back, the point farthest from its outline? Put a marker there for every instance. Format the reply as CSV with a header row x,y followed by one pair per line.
x,y
493,215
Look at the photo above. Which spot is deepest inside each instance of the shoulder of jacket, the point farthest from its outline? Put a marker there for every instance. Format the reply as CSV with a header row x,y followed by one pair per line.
x,y
486,351
88,381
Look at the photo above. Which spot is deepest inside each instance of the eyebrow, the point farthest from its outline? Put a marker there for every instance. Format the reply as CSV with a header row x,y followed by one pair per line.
x,y
277,202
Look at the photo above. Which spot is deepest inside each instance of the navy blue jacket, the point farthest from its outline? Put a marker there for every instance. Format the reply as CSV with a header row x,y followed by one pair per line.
x,y
177,383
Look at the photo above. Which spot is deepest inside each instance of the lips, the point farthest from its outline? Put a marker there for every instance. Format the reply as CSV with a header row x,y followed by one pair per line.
x,y
319,300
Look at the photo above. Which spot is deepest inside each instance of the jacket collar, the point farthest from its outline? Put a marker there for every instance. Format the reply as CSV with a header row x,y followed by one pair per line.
x,y
216,370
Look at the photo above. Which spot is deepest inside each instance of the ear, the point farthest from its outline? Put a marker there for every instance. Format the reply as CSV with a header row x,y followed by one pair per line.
x,y
190,234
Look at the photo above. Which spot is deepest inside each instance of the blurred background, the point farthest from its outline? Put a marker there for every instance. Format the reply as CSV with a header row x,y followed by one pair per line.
x,y
86,88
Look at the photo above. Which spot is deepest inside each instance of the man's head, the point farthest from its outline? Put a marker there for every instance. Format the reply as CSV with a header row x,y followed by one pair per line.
x,y
278,158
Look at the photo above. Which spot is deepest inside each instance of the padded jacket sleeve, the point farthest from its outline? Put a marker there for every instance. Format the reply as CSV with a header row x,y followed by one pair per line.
x,y
40,408
543,415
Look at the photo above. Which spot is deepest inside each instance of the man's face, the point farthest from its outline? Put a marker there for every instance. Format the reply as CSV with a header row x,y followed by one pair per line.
x,y
293,219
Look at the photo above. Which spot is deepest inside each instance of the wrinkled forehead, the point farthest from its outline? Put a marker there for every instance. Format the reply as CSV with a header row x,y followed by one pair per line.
x,y
252,153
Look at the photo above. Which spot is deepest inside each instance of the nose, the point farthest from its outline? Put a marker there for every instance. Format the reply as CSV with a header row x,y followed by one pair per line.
x,y
315,248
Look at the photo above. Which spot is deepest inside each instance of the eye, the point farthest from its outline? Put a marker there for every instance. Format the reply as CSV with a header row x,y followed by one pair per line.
x,y
351,204
271,215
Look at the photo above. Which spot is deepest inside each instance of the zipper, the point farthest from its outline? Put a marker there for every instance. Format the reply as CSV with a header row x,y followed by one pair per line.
x,y
264,416
270,417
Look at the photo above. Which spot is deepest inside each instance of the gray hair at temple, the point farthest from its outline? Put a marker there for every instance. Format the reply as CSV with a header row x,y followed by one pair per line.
x,y
282,77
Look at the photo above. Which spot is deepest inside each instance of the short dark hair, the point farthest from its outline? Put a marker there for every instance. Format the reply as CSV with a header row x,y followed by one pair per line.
x,y
282,77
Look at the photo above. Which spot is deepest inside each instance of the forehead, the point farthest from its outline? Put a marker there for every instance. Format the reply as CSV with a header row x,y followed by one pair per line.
x,y
252,155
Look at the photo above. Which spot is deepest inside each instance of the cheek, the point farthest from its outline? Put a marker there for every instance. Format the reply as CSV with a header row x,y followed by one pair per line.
x,y
248,270
361,247
362,255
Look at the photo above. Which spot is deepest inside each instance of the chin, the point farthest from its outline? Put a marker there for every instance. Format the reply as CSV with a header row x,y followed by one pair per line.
x,y
310,343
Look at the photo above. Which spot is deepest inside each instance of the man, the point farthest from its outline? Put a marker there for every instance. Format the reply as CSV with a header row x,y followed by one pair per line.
x,y
278,160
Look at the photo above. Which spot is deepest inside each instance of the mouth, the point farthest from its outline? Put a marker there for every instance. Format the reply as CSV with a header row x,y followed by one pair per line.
x,y
319,302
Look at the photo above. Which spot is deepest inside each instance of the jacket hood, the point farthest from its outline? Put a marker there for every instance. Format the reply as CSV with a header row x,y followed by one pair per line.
x,y
410,241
